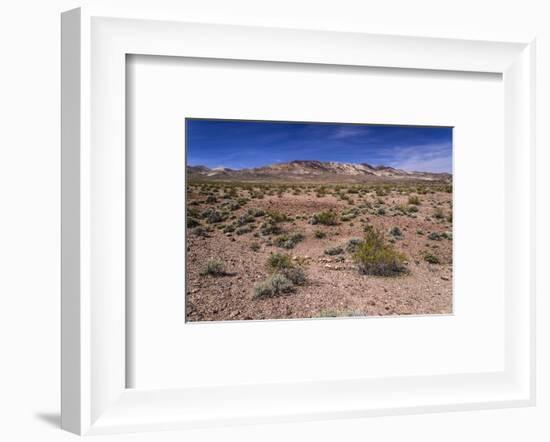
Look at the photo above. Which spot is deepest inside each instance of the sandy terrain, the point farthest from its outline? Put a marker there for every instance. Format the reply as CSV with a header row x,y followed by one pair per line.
x,y
334,286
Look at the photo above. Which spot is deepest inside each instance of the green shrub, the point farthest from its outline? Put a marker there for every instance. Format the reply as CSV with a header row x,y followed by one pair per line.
x,y
295,274
381,211
396,231
289,241
269,228
255,247
325,218
213,267
352,244
243,229
319,234
274,285
192,222
277,217
434,236
215,217
229,228
374,257
279,261
256,212
331,251
438,213
200,231
414,200
231,205
432,259
244,219
193,213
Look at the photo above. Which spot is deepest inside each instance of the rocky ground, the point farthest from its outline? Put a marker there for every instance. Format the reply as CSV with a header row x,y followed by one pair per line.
x,y
334,287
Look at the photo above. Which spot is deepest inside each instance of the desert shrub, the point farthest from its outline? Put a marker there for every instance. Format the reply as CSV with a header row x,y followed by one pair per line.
x,y
276,216
229,228
325,218
414,200
269,228
401,208
350,214
256,212
352,244
296,275
432,259
381,211
450,217
396,231
289,241
211,199
279,261
434,236
215,217
192,222
274,285
200,231
319,234
243,229
412,209
374,257
193,212
447,235
244,219
438,213
231,205
255,247
334,251
213,267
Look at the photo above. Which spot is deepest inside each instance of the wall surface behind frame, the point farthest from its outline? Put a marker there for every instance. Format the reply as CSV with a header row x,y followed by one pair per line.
x,y
30,199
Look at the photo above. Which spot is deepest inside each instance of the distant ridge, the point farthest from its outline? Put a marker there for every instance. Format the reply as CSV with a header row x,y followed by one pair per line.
x,y
314,171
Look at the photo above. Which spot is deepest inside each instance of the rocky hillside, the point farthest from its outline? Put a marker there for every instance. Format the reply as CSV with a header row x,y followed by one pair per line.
x,y
313,171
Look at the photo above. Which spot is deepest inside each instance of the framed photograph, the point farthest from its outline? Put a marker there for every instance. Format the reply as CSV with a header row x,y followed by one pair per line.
x,y
317,220
259,226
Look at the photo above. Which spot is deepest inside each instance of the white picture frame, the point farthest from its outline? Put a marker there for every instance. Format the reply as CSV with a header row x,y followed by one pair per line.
x,y
95,399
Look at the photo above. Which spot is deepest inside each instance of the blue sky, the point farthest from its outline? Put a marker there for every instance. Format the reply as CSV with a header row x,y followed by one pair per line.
x,y
239,144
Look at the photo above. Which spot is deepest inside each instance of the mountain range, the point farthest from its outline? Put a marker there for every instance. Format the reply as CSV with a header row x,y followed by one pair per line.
x,y
313,171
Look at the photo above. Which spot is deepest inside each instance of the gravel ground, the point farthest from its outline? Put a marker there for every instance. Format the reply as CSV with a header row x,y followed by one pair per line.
x,y
334,287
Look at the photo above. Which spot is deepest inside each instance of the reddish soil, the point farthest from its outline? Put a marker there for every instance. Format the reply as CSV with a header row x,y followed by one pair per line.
x,y
333,288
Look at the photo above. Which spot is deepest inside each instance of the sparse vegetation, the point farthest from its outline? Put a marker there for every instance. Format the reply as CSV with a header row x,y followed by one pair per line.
x,y
331,251
378,226
289,241
325,218
213,267
279,261
274,285
438,213
352,244
432,259
396,231
374,257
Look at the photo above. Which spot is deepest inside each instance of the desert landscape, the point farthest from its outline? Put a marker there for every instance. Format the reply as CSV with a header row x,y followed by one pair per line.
x,y
317,239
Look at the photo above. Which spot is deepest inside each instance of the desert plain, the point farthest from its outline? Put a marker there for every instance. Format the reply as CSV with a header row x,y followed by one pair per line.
x,y
296,241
